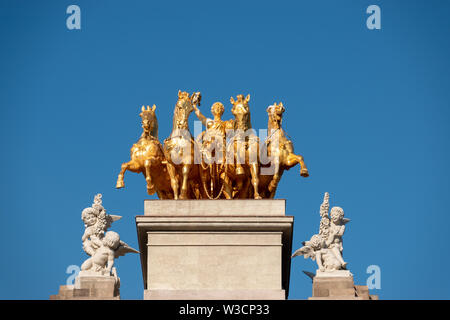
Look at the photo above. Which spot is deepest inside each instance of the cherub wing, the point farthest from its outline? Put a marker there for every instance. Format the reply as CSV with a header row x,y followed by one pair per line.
x,y
345,220
305,251
123,249
110,218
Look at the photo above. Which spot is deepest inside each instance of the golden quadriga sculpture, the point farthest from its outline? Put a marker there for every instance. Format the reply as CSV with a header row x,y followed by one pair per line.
x,y
226,161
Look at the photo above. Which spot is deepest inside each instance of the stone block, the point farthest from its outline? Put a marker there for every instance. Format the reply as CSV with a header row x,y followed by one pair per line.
x,y
333,274
214,294
215,249
342,292
336,298
215,208
214,260
322,285
362,291
89,287
338,288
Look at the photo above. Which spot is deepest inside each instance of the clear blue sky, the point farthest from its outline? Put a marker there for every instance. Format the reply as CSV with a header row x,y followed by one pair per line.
x,y
369,111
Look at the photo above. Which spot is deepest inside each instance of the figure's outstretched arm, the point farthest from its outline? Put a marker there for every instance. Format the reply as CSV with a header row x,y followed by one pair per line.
x,y
200,116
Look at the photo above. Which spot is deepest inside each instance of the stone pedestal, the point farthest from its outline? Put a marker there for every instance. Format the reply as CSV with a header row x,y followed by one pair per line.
x,y
215,249
90,287
338,285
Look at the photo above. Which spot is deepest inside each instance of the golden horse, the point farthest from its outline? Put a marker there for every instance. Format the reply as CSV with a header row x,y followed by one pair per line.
x,y
147,157
280,151
180,150
242,154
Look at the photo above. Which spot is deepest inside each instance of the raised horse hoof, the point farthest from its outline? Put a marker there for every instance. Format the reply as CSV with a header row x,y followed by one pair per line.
x,y
151,189
304,173
120,184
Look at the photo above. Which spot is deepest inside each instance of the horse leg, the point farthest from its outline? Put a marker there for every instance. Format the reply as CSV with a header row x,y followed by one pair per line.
x,y
255,179
227,189
120,183
293,159
160,194
228,186
245,190
184,186
173,179
275,179
148,177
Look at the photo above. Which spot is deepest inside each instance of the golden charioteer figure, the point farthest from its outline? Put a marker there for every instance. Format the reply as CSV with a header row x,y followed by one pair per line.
x,y
226,161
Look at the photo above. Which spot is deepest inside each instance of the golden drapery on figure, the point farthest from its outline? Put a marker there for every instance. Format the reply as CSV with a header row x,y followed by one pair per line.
x,y
223,162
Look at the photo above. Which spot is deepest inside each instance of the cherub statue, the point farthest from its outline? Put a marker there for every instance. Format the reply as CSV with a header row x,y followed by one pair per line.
x,y
102,246
326,247
316,249
102,261
96,223
335,232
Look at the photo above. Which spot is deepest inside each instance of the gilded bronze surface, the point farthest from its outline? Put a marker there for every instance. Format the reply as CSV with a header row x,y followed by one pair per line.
x,y
147,157
280,150
226,161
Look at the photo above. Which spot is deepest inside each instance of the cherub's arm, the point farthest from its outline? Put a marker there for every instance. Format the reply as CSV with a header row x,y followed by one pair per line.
x,y
84,237
97,242
330,238
86,234
341,231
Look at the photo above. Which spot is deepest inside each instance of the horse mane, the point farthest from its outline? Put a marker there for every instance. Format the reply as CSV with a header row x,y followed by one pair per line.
x,y
154,132
271,121
175,115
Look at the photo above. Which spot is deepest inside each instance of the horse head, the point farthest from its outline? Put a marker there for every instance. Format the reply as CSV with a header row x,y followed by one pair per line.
x,y
241,111
183,109
149,121
275,113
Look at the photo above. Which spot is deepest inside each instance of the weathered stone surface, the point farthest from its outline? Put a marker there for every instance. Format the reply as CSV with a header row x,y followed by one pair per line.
x,y
196,255
214,294
339,288
333,274
215,208
336,298
214,260
90,288
362,291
